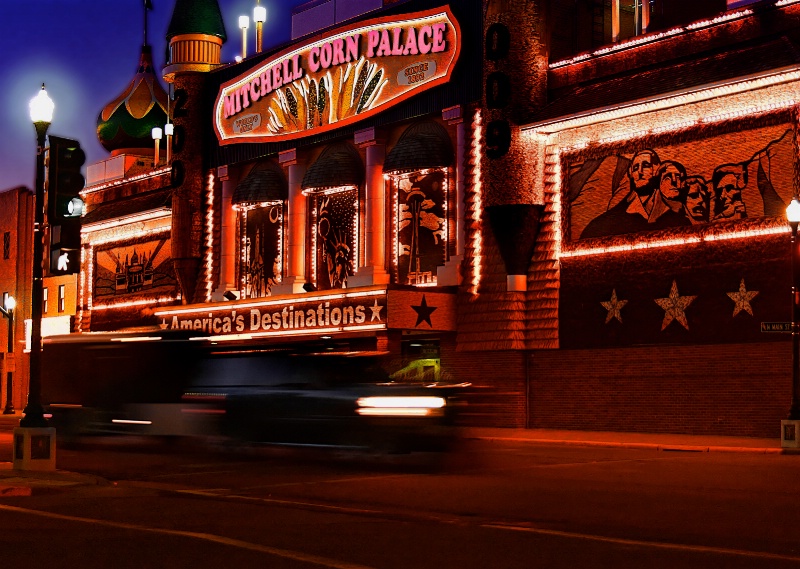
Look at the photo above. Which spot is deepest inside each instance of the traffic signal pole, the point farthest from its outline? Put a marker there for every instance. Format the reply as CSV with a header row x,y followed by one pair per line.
x,y
33,412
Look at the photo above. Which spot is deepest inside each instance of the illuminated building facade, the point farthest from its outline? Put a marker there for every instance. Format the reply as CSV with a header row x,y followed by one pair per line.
x,y
663,164
584,221
312,197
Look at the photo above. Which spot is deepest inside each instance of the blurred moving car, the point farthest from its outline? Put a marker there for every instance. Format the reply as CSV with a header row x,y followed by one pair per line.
x,y
173,388
324,400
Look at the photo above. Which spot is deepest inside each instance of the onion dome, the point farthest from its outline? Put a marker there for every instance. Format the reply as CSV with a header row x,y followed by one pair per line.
x,y
126,123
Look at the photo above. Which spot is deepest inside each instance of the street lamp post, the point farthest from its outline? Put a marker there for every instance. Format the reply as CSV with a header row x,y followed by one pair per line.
x,y
156,133
169,130
41,108
8,312
789,428
244,23
259,17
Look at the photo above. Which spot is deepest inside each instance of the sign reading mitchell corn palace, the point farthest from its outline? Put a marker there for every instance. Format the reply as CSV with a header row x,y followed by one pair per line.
x,y
341,79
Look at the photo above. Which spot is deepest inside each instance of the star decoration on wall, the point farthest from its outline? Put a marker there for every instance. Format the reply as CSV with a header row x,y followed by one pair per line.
x,y
423,312
614,306
742,299
376,311
674,306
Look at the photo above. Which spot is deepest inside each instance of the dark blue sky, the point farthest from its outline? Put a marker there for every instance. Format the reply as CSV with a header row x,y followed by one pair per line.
x,y
86,52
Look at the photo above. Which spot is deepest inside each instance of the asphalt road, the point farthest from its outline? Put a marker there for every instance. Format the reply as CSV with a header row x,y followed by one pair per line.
x,y
491,505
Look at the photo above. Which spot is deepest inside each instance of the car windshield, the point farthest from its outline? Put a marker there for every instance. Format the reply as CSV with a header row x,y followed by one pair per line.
x,y
271,370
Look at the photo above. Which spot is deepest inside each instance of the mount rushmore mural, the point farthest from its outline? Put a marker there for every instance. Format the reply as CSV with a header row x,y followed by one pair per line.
x,y
732,176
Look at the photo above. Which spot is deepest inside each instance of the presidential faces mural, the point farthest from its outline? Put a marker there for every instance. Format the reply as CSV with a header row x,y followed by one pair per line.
x,y
732,176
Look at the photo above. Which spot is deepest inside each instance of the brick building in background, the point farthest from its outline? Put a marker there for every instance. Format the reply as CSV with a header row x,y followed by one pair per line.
x,y
16,228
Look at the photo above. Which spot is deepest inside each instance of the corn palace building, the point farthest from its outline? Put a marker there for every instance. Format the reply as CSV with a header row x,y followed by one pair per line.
x,y
578,208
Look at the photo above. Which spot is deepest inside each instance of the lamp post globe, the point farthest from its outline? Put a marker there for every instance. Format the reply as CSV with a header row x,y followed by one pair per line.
x,y
793,211
41,107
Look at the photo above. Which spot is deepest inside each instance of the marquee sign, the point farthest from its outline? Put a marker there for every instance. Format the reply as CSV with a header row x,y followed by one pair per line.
x,y
351,74
316,314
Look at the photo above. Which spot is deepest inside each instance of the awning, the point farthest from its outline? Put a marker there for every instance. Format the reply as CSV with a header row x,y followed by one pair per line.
x,y
264,183
338,165
423,145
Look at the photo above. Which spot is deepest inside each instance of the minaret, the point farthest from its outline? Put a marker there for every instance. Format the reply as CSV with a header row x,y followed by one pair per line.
x,y
196,33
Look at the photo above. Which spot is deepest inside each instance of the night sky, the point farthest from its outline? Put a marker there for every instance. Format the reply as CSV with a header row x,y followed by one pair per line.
x,y
86,52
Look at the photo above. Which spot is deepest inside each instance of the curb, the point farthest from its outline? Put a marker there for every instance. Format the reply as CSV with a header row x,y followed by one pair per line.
x,y
642,446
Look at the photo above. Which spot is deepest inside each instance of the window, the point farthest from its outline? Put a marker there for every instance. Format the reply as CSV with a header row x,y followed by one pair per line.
x,y
44,300
334,236
62,293
260,263
7,245
585,25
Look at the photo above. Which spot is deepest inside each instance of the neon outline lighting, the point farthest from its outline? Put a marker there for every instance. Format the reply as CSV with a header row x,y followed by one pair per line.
x,y
209,235
477,208
652,38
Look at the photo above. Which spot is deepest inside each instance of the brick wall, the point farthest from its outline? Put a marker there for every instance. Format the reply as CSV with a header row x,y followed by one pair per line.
x,y
497,395
732,389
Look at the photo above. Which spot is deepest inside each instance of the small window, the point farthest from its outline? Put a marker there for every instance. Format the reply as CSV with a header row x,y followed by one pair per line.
x,y
7,245
44,300
62,293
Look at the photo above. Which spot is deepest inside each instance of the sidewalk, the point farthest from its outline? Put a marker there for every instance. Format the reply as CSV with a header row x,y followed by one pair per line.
x,y
661,442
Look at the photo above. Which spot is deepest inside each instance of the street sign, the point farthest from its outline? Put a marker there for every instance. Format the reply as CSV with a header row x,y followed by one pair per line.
x,y
776,326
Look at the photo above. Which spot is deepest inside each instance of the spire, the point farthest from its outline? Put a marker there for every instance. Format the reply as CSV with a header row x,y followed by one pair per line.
x,y
148,5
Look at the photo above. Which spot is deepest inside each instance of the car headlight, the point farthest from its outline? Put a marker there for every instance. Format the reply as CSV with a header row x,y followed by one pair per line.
x,y
400,406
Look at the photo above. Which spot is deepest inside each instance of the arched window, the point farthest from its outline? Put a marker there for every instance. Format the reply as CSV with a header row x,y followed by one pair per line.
x,y
332,184
260,202
418,174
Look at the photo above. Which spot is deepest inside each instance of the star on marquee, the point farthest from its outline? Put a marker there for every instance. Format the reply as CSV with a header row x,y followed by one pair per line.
x,y
614,306
163,324
742,299
376,311
674,306
423,312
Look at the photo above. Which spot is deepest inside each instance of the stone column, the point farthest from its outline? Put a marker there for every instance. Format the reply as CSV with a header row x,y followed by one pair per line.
x,y
227,269
294,276
373,271
450,273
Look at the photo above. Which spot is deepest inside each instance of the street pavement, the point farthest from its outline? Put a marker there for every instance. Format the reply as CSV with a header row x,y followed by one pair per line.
x,y
21,483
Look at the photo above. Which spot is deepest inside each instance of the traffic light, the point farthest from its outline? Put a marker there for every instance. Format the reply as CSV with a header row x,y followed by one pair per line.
x,y
65,247
64,180
64,205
